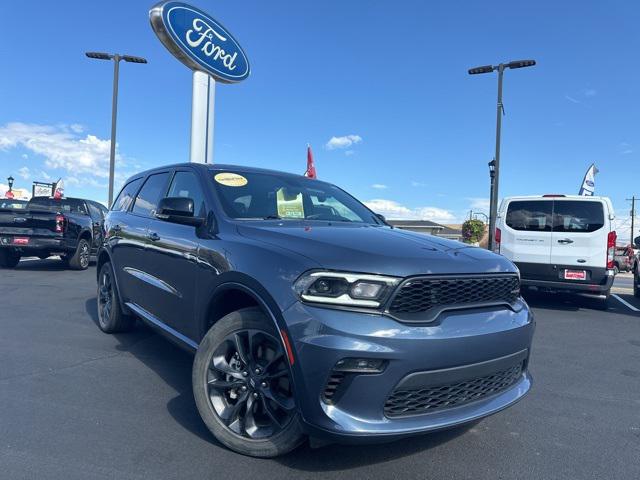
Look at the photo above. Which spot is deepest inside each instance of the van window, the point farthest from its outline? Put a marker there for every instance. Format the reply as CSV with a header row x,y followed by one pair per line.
x,y
577,216
530,215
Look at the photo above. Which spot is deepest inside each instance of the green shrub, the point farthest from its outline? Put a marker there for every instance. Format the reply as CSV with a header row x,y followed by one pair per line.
x,y
472,231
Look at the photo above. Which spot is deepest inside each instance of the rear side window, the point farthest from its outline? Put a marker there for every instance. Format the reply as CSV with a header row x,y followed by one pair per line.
x,y
126,195
150,194
530,215
577,216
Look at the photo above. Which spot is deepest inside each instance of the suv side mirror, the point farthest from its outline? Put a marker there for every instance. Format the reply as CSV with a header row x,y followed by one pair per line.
x,y
178,210
382,218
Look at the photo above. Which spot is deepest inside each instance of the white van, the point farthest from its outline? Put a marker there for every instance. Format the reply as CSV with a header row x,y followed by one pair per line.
x,y
559,242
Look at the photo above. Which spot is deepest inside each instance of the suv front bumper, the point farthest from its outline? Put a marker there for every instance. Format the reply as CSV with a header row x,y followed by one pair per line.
x,y
460,346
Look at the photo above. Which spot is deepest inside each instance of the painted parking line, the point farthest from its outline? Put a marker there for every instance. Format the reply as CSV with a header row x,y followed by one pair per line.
x,y
625,303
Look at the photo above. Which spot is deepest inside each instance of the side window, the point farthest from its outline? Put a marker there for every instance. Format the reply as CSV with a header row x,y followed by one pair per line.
x,y
187,184
96,214
150,194
577,216
530,215
125,197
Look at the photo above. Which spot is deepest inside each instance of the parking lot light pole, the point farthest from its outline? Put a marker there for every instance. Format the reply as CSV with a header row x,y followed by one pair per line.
x,y
10,181
116,57
499,112
492,180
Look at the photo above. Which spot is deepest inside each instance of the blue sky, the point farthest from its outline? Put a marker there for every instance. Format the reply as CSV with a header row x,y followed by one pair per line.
x,y
392,75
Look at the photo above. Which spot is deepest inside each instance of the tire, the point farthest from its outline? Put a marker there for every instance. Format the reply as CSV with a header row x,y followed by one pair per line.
x,y
636,284
252,410
111,318
616,270
9,259
80,259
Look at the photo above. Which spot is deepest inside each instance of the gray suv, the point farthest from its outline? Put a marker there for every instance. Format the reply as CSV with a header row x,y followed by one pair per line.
x,y
307,313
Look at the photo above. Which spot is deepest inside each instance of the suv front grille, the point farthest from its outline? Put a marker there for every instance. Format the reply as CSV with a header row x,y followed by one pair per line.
x,y
413,402
426,295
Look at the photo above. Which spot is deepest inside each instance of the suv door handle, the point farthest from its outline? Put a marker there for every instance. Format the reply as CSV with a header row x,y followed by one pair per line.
x,y
153,236
565,240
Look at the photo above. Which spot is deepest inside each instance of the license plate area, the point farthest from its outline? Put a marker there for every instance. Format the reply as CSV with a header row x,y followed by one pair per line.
x,y
575,274
20,240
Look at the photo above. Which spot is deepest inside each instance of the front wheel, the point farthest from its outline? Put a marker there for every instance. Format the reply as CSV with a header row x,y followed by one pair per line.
x,y
243,388
9,259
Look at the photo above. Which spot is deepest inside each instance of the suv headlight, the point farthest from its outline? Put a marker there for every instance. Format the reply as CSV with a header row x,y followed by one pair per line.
x,y
346,289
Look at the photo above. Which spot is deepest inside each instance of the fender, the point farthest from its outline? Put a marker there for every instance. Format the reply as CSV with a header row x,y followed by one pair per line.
x,y
241,281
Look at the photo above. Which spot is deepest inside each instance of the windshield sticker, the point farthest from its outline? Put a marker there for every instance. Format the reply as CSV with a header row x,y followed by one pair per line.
x,y
230,179
290,204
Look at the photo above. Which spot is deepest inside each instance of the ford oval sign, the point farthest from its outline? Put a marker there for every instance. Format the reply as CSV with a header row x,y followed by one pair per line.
x,y
199,41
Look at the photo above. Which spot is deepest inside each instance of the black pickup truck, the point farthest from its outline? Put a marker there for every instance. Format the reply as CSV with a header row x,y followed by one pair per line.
x,y
69,227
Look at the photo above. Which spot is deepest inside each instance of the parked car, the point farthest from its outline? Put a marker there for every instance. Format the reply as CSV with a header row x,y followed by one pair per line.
x,y
308,314
559,242
624,259
69,227
11,204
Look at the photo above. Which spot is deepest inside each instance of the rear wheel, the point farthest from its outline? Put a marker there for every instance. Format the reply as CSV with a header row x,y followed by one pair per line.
x,y
80,259
243,388
111,318
9,259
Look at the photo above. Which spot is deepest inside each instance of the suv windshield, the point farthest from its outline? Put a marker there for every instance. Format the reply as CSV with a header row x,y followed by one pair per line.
x,y
252,195
65,205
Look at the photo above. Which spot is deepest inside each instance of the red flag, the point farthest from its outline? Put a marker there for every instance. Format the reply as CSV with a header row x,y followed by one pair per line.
x,y
311,168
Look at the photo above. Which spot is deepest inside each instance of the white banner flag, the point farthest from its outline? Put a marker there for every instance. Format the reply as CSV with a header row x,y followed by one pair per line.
x,y
589,182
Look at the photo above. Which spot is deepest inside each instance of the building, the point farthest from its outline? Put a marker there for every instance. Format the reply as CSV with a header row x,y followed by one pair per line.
x,y
428,228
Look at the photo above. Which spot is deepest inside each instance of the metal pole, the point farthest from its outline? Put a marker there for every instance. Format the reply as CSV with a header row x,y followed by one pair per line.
x,y
492,176
495,183
633,214
114,114
202,117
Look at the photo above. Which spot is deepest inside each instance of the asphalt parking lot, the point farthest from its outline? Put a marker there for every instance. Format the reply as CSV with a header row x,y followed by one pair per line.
x,y
76,403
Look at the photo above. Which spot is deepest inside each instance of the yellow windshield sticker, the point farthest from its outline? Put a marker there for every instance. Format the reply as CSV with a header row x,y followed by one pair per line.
x,y
290,206
230,179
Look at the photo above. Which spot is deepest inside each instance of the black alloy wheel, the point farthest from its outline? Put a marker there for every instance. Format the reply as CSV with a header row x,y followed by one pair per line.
x,y
105,296
111,318
249,385
243,386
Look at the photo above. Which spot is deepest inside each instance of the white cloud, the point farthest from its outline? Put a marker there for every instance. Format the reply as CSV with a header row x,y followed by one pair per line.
x,y
571,99
589,92
418,184
62,147
379,186
478,203
348,153
76,128
343,142
24,172
394,210
24,156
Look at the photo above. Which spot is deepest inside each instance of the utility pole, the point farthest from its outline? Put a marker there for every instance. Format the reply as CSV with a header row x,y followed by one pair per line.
x,y
633,214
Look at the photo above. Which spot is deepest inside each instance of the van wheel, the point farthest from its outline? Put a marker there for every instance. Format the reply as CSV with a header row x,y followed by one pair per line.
x,y
9,259
111,318
243,388
80,259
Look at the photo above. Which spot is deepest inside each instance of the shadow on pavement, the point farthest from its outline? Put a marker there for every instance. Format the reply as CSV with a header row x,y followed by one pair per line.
x,y
173,365
573,303
47,265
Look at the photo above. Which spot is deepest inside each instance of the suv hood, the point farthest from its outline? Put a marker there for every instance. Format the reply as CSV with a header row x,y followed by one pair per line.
x,y
375,249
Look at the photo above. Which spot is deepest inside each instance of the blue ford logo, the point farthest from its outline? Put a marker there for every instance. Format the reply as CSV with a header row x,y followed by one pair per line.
x,y
589,183
199,41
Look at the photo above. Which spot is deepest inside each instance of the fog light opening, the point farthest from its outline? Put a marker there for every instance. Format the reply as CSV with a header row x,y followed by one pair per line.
x,y
360,365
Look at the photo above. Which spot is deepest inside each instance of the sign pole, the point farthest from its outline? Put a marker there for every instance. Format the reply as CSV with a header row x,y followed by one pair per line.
x,y
202,117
